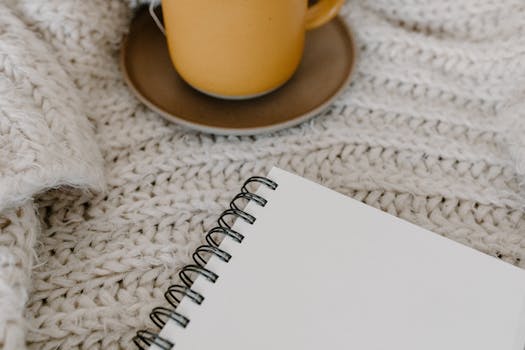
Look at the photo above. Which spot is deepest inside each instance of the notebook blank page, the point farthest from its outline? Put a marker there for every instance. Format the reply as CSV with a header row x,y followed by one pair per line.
x,y
319,270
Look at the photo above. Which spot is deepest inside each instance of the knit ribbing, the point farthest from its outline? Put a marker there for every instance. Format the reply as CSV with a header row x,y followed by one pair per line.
x,y
430,130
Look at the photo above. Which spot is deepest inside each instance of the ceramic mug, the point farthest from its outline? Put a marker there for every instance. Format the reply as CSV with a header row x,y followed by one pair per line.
x,y
239,49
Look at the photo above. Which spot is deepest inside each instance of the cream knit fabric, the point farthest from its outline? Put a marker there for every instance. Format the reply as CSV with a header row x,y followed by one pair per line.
x,y
431,130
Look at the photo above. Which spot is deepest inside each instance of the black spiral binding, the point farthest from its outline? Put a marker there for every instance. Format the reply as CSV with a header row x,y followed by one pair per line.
x,y
174,294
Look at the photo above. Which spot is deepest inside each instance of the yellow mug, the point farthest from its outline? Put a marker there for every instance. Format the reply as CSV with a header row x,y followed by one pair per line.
x,y
240,49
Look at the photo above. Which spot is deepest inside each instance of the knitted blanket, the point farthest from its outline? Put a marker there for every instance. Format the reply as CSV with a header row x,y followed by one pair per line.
x,y
102,201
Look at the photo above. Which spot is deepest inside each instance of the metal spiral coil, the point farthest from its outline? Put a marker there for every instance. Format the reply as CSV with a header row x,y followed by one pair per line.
x,y
160,315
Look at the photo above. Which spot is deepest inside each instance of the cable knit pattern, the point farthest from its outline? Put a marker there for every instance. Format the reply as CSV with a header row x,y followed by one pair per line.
x,y
46,140
431,130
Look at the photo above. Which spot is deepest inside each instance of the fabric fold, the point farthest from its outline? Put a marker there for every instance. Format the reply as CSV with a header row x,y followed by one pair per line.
x,y
46,141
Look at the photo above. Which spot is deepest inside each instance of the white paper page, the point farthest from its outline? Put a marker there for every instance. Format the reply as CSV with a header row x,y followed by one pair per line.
x,y
319,270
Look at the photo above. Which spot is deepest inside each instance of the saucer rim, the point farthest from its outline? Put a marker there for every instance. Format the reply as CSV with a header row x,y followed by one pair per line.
x,y
215,130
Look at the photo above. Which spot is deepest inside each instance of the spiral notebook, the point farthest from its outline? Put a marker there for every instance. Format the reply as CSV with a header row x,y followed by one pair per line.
x,y
304,267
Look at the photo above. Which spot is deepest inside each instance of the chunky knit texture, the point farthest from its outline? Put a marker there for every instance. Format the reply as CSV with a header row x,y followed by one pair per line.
x,y
431,130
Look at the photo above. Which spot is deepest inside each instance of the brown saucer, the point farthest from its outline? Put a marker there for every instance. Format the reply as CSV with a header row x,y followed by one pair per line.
x,y
324,71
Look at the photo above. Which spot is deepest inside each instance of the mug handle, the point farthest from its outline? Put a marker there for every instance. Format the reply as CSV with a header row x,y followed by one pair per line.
x,y
153,15
322,12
